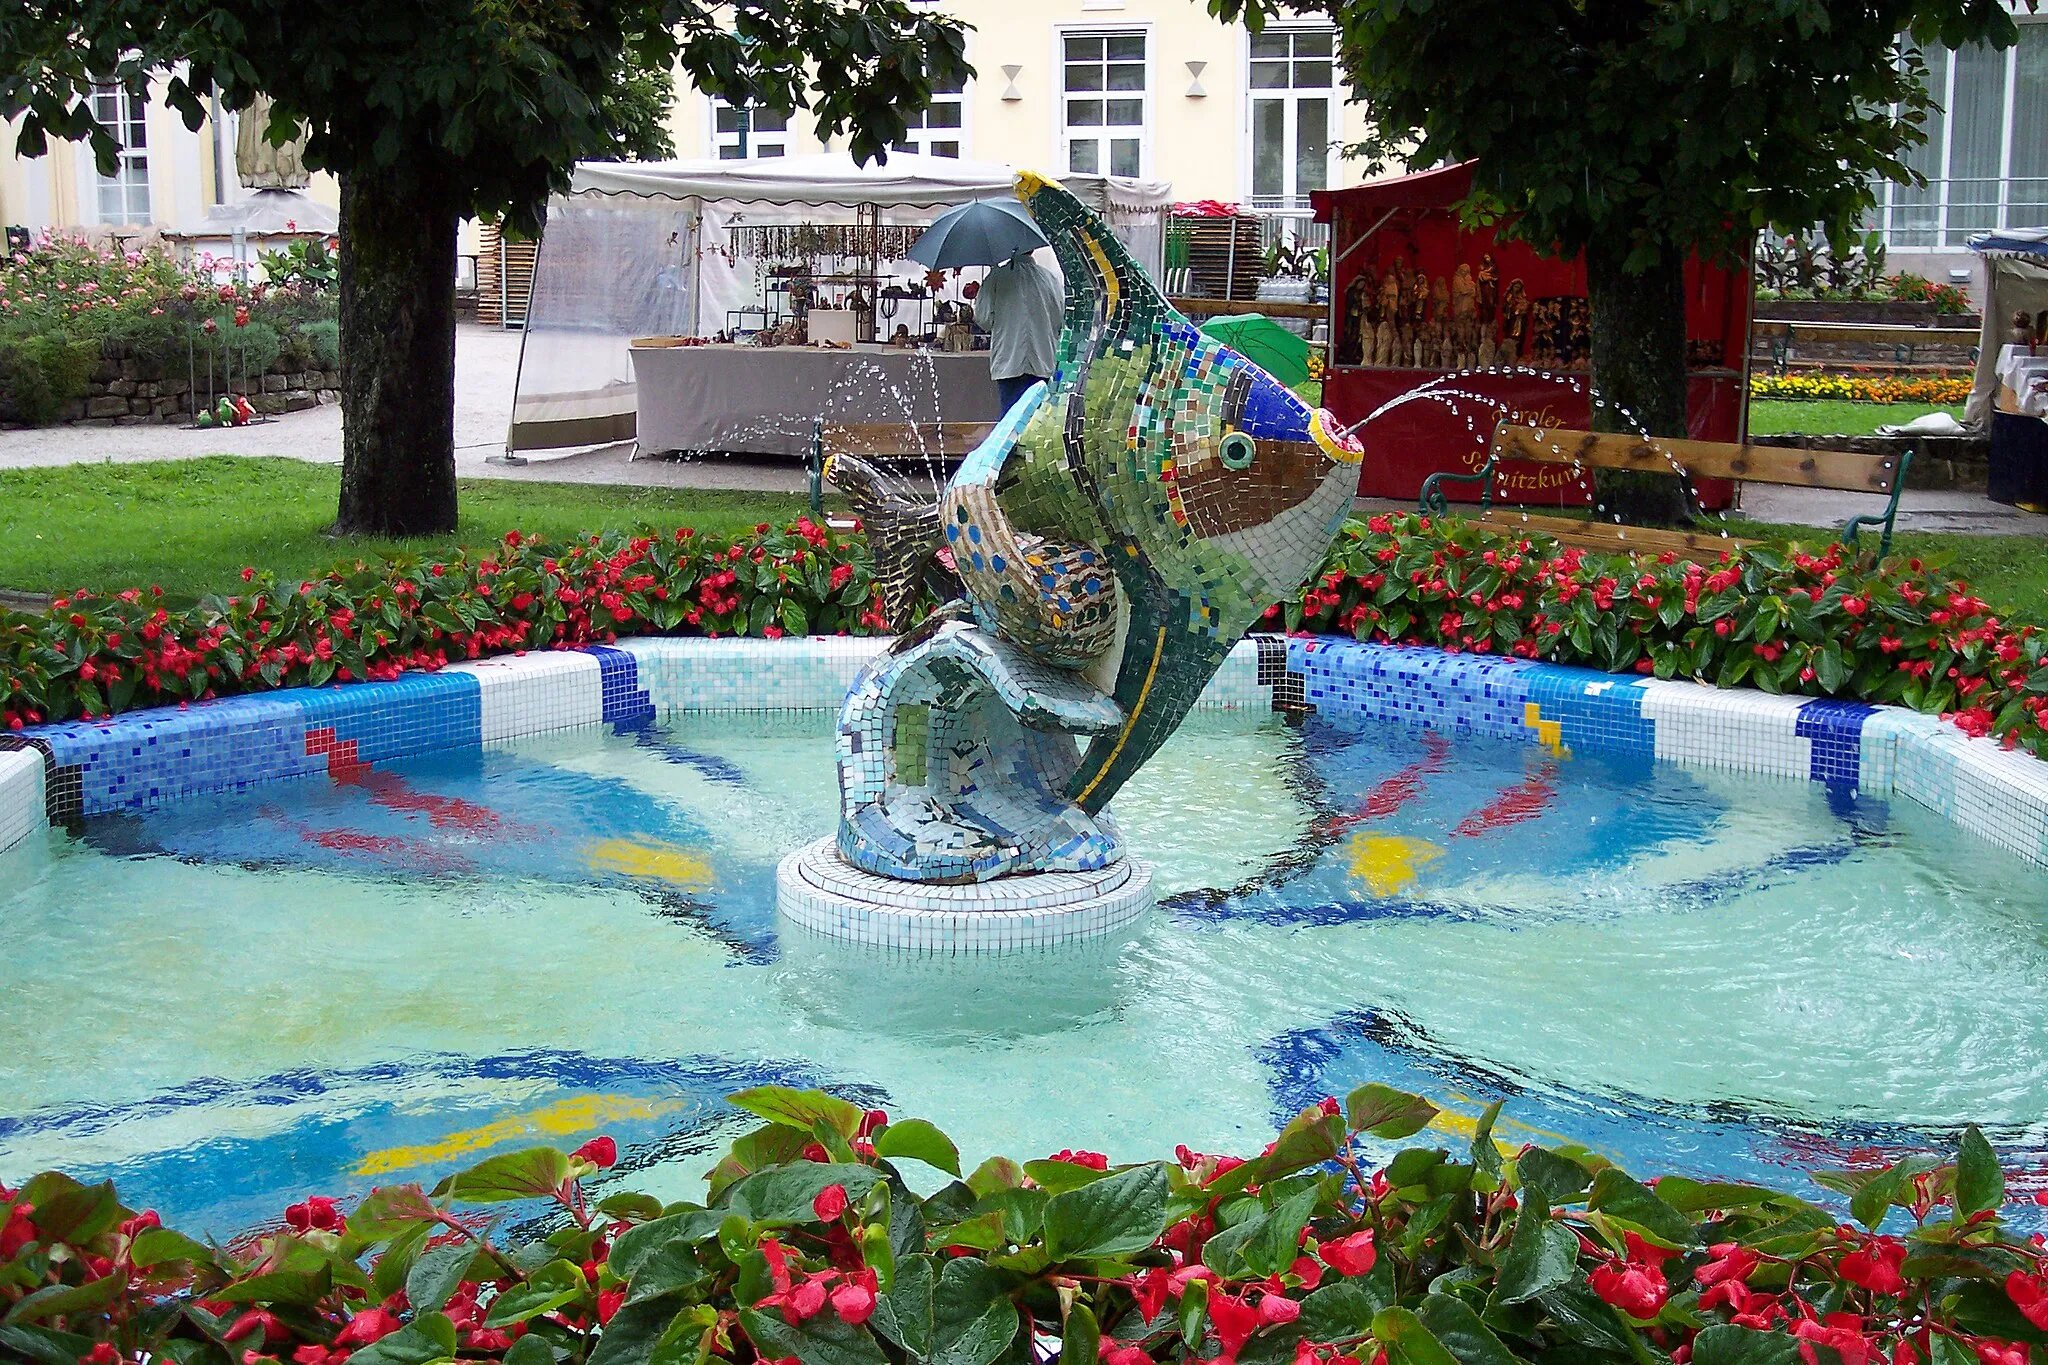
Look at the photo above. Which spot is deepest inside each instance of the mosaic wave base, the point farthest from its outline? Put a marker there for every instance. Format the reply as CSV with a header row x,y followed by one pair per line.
x,y
818,890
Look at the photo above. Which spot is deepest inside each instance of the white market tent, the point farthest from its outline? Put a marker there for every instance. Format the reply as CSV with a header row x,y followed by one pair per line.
x,y
639,249
2015,280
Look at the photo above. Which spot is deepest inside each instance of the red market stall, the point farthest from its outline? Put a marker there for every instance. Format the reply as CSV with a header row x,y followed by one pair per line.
x,y
1416,296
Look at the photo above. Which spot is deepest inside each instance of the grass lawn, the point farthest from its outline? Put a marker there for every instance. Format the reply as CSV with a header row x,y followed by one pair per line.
x,y
1832,416
190,525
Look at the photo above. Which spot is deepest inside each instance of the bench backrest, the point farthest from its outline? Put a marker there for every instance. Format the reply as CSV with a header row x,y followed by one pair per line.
x,y
952,439
1841,469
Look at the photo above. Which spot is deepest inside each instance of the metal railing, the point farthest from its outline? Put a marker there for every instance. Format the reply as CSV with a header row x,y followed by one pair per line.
x,y
1945,214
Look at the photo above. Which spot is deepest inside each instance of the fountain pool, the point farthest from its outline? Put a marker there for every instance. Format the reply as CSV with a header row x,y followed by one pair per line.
x,y
397,965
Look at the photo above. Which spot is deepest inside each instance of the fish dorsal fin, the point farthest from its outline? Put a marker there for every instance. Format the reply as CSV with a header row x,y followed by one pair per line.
x,y
1107,291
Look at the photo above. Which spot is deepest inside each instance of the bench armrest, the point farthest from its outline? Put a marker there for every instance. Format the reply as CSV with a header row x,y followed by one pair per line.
x,y
1885,518
1434,503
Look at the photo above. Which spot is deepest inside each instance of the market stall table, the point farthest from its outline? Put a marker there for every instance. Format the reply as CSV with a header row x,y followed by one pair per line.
x,y
763,400
2019,428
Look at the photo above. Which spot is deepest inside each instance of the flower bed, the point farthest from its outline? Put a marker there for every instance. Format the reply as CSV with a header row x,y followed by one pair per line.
x,y
1831,624
1936,390
810,1249
104,334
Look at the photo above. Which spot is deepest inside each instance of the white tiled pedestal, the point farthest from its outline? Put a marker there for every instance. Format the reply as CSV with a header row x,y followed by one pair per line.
x,y
818,890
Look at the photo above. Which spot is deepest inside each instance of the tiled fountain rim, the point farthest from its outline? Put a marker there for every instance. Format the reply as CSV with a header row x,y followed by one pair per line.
x,y
58,773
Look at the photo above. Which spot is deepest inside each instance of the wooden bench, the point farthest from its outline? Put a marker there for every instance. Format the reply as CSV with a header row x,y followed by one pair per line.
x,y
1902,340
1884,475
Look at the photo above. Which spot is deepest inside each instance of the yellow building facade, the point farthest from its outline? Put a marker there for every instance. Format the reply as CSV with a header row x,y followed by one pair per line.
x,y
1152,88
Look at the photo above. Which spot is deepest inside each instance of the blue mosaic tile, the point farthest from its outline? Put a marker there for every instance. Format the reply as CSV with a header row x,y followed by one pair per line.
x,y
1836,729
626,702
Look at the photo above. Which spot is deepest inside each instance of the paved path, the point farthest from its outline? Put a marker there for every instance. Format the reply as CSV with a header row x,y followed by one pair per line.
x,y
487,365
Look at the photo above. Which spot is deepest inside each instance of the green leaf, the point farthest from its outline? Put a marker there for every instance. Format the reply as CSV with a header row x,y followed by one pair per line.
x,y
1343,1309
55,1300
1984,1309
636,1245
1081,1339
1194,1313
783,1194
1451,1320
1873,1201
1408,1342
820,1340
1727,1344
1980,1184
1558,1178
800,1108
388,1276
973,1320
1485,1154
547,1289
79,1214
1582,1316
632,1335
904,1314
534,1173
159,1245
1387,1113
640,1208
996,1173
1541,1254
436,1274
389,1210
1057,1177
1277,1242
920,1141
44,1344
532,1350
1309,1139
1693,1196
429,1337
1125,1212
1618,1195
279,1286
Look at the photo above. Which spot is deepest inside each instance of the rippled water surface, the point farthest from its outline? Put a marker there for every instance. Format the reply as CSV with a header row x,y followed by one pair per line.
x,y
328,985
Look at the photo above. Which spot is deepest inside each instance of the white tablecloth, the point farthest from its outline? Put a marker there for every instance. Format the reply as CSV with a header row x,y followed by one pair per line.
x,y
2018,371
763,400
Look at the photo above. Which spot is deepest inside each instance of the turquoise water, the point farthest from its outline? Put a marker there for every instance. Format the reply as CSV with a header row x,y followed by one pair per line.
x,y
322,986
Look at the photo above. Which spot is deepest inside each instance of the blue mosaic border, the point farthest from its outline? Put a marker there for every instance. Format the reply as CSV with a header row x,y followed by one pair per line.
x,y
150,758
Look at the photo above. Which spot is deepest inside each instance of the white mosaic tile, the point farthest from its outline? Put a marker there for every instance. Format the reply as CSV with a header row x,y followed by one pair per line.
x,y
530,694
21,795
1742,731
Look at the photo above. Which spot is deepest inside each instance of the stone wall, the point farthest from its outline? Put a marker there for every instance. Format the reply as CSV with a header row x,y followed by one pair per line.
x,y
120,396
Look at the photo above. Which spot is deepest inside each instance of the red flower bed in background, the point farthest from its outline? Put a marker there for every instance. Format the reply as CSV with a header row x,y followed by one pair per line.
x,y
1834,623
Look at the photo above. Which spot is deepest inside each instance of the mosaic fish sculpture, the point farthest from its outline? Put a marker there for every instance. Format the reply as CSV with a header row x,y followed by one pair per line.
x,y
1117,533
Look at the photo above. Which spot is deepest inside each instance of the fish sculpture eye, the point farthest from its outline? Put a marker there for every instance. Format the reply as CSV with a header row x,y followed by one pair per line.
x,y
1238,451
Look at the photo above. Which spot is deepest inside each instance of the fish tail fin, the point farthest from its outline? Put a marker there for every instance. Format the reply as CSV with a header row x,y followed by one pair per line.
x,y
902,535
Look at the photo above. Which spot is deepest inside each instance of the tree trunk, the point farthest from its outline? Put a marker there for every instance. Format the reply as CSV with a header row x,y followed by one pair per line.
x,y
397,357
1638,372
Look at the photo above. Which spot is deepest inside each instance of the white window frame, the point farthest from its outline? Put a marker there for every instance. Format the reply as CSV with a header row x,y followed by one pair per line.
x,y
136,167
1888,209
1295,201
1060,130
750,144
916,140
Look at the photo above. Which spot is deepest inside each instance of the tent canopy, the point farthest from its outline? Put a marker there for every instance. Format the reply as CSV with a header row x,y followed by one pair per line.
x,y
641,248
2012,242
2015,280
836,180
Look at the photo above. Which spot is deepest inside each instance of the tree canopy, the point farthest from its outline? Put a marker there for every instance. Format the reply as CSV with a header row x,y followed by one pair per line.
x,y
492,99
1682,123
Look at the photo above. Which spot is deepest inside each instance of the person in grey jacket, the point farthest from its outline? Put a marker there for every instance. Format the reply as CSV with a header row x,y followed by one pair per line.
x,y
1019,305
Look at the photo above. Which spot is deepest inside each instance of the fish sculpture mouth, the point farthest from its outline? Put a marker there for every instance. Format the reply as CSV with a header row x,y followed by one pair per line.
x,y
1336,442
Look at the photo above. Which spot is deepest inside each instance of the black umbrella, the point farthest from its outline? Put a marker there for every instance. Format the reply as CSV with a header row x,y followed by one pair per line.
x,y
985,232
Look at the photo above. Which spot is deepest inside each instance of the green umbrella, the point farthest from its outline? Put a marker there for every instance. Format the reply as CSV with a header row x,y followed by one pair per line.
x,y
1264,342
